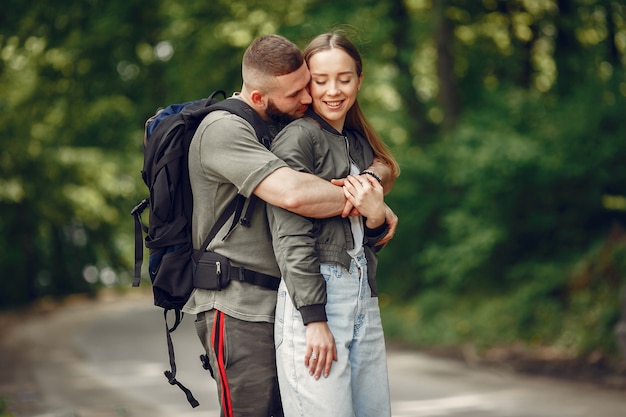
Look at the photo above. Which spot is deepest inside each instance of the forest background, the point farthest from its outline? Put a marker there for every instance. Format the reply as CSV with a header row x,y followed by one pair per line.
x,y
508,119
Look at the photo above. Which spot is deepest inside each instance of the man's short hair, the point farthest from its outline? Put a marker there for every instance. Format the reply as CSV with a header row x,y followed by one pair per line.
x,y
267,57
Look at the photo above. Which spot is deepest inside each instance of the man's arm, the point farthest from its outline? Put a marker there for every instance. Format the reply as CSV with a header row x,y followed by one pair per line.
x,y
302,193
382,172
310,196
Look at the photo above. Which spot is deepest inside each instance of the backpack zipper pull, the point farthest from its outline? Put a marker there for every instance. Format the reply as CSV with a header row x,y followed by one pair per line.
x,y
218,266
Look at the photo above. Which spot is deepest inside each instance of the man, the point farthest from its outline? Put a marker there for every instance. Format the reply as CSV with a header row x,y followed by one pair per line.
x,y
235,325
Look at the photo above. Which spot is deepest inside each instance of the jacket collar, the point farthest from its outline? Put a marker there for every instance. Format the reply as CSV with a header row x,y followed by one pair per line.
x,y
323,123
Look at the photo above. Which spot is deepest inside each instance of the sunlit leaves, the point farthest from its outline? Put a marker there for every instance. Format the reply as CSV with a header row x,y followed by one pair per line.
x,y
19,62
530,176
11,190
543,61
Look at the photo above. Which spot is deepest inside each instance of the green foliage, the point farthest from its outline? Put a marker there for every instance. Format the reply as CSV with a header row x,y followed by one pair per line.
x,y
69,121
574,310
3,406
507,118
511,238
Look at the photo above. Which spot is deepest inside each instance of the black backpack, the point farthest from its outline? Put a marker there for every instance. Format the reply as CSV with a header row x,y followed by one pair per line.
x,y
165,172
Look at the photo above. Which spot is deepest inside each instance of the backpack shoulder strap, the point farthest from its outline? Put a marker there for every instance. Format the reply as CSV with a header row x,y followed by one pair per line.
x,y
243,110
197,253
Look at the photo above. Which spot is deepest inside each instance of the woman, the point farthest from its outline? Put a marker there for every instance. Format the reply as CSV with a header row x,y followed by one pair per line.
x,y
327,316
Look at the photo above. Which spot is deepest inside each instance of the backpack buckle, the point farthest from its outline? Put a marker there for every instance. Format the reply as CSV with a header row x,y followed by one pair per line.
x,y
139,208
242,274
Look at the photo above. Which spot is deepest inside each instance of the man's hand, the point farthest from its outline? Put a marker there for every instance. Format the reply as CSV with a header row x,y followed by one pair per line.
x,y
366,194
320,349
390,217
392,222
348,209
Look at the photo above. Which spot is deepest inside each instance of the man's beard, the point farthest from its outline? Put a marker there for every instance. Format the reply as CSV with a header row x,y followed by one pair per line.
x,y
276,115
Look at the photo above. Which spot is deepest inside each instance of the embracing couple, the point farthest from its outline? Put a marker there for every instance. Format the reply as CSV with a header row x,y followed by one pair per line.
x,y
315,347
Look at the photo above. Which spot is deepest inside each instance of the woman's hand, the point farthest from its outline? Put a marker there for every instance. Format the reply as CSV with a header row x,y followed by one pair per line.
x,y
320,349
365,193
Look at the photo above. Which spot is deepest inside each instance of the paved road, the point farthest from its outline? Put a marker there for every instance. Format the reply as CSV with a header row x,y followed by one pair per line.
x,y
107,359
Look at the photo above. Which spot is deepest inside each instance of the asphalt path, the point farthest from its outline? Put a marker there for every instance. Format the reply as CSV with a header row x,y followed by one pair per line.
x,y
106,358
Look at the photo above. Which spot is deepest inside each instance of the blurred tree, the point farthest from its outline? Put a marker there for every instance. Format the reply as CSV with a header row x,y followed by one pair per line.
x,y
507,117
71,83
512,201
448,94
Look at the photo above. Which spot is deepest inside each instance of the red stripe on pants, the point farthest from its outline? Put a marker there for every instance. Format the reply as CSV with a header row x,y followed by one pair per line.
x,y
217,339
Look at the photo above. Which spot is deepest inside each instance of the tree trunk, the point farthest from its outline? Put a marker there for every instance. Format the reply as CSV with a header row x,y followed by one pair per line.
x,y
448,96
418,126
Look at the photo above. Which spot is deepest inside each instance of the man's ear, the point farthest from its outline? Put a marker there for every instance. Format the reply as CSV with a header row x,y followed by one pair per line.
x,y
256,97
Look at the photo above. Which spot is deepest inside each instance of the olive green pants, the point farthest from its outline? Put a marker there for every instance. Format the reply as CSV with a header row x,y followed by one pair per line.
x,y
242,359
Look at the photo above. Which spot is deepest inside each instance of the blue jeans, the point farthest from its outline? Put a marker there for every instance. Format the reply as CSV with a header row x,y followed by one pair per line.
x,y
358,383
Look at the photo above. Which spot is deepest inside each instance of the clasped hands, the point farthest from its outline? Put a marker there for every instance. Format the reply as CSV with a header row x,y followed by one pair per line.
x,y
364,197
